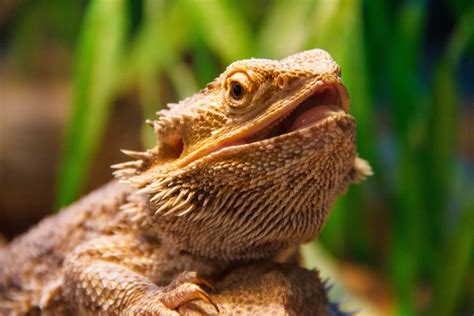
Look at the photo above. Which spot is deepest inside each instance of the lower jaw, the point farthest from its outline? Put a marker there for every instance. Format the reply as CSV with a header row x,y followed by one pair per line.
x,y
308,119
340,125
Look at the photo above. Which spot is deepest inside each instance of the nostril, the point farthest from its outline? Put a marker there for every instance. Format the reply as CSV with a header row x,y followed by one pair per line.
x,y
282,81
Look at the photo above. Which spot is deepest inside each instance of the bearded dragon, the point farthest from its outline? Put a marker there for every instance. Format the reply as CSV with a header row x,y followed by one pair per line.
x,y
242,172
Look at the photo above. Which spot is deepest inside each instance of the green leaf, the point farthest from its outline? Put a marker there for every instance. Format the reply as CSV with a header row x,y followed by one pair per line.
x,y
449,277
221,25
97,61
454,265
409,251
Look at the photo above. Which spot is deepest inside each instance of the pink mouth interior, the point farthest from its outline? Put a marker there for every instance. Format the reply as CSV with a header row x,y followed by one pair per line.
x,y
317,107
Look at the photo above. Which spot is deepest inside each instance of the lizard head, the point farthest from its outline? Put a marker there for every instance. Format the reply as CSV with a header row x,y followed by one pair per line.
x,y
252,163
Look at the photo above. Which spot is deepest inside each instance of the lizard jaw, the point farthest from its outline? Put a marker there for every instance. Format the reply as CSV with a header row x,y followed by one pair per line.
x,y
314,105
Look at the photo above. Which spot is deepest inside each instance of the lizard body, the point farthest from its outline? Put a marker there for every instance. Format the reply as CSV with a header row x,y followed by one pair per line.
x,y
243,170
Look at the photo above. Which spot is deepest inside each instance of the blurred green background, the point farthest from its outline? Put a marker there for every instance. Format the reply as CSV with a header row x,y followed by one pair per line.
x,y
402,243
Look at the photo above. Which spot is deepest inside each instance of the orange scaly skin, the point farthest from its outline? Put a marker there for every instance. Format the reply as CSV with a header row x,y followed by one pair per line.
x,y
243,170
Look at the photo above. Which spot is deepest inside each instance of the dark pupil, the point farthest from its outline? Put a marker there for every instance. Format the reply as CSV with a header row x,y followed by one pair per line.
x,y
237,91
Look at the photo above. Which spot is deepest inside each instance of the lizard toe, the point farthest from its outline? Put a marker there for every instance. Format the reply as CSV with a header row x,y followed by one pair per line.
x,y
184,294
190,277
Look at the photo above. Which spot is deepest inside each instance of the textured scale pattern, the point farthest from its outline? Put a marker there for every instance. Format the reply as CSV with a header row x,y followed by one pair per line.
x,y
194,225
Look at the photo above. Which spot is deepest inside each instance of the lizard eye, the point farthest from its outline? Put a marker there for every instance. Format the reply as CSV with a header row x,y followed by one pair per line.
x,y
237,90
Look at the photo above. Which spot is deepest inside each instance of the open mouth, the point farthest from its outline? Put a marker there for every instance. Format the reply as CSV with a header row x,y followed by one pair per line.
x,y
324,102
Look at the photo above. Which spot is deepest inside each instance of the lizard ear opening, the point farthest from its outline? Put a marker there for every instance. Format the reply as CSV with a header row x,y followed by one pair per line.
x,y
174,148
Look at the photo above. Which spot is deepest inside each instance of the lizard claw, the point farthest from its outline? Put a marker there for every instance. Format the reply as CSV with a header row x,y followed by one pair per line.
x,y
205,297
205,282
190,277
172,301
174,298
184,294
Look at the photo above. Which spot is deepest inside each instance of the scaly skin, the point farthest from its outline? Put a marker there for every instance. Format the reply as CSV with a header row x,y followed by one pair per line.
x,y
238,177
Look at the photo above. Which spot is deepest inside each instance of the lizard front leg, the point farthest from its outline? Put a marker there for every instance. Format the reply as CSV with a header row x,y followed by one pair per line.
x,y
115,275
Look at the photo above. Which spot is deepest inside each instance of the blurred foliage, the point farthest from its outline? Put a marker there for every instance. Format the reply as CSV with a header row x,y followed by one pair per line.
x,y
412,221
97,66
